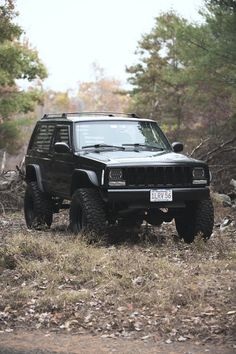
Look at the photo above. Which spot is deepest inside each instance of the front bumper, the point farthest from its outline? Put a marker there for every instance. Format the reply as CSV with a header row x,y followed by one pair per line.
x,y
180,195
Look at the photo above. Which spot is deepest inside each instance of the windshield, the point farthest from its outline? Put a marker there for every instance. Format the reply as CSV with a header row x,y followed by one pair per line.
x,y
127,134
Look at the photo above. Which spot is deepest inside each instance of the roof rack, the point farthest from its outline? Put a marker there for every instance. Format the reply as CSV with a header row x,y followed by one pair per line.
x,y
69,114
53,115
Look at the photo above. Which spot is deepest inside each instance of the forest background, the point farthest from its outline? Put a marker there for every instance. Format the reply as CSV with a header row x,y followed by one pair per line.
x,y
184,78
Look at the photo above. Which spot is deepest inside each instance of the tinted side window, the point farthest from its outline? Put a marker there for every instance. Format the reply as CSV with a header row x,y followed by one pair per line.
x,y
62,135
43,137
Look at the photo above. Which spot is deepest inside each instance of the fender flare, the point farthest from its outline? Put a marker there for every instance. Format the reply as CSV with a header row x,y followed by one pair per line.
x,y
92,176
32,169
83,179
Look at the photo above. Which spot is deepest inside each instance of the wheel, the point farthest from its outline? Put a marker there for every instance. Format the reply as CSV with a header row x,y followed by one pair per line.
x,y
37,207
198,217
87,212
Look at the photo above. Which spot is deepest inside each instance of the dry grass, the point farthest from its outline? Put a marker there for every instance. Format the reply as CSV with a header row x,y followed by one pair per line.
x,y
156,285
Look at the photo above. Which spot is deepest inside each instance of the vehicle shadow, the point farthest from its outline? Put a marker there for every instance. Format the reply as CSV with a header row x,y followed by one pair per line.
x,y
115,235
146,235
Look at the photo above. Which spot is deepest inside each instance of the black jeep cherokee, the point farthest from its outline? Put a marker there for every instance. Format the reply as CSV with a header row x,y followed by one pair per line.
x,y
114,169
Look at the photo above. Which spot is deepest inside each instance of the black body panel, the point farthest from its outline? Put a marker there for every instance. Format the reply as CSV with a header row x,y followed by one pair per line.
x,y
142,170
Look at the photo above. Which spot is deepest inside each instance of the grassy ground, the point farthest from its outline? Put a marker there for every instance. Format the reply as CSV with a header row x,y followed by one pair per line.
x,y
149,286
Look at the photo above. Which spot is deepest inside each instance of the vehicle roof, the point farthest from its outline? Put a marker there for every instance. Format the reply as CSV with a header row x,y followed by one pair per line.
x,y
94,119
91,116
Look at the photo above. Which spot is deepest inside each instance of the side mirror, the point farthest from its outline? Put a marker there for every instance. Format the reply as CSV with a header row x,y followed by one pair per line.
x,y
177,147
61,148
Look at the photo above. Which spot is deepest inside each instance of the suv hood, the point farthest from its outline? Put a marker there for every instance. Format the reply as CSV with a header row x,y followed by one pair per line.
x,y
128,157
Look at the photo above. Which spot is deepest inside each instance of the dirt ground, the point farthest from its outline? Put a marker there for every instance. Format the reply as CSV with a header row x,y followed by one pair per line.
x,y
39,342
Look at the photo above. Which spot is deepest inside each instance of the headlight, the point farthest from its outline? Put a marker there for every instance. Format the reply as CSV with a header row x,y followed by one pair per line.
x,y
199,176
198,173
116,177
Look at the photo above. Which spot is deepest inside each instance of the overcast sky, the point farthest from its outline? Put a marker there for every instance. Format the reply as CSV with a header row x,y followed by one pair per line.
x,y
72,34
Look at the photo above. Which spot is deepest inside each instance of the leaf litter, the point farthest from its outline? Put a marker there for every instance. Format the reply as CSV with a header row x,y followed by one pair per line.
x,y
147,286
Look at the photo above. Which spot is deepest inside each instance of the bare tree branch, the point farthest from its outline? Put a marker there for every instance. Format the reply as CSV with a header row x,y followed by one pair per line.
x,y
215,151
199,146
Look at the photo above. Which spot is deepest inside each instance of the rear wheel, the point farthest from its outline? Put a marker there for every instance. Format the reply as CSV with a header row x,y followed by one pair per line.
x,y
198,217
87,212
37,207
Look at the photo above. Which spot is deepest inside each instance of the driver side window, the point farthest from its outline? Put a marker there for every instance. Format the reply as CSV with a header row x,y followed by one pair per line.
x,y
62,135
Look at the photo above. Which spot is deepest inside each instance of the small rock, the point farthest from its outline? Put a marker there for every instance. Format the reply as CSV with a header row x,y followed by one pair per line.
x,y
146,337
138,281
182,339
168,341
88,318
4,222
226,222
138,325
224,199
231,312
121,308
125,334
4,185
233,183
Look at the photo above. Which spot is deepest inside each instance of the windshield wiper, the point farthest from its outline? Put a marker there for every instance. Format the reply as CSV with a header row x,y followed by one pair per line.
x,y
137,145
97,146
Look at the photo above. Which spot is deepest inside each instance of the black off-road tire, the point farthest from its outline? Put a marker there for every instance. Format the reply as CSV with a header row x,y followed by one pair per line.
x,y
198,217
87,213
37,207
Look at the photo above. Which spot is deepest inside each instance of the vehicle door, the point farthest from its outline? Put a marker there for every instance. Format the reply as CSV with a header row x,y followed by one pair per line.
x,y
62,163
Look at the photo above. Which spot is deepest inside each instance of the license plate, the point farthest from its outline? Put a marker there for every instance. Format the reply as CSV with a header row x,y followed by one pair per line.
x,y
161,195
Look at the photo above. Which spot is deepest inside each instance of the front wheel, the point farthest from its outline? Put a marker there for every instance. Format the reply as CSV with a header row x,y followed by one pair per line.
x,y
198,217
87,212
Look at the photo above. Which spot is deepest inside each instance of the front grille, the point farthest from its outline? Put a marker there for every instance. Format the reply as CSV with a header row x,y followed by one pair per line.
x,y
161,176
